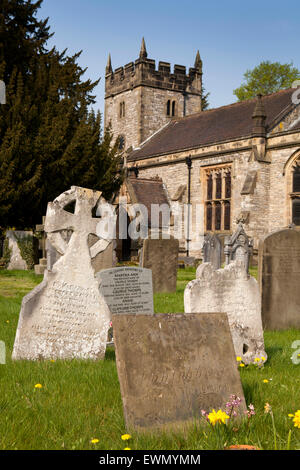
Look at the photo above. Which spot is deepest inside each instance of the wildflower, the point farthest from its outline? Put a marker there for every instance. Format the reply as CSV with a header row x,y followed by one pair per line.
x,y
257,359
251,411
127,448
238,358
217,417
242,364
52,360
234,402
268,408
263,358
126,437
265,381
94,441
7,321
38,386
296,418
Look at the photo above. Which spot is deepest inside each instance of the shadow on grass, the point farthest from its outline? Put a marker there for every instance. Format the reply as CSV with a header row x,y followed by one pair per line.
x,y
110,354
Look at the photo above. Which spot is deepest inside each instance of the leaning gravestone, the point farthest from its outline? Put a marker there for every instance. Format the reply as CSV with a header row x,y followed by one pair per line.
x,y
161,256
279,278
170,366
65,316
233,291
212,250
127,289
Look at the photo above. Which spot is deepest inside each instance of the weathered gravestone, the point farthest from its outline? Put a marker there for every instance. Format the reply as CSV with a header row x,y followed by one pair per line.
x,y
233,291
40,230
161,256
238,247
127,289
23,249
170,366
65,316
212,250
279,278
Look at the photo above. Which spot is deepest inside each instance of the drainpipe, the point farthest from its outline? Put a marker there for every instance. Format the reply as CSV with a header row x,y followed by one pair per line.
x,y
188,162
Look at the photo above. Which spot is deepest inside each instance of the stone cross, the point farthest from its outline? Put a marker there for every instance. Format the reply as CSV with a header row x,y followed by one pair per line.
x,y
65,316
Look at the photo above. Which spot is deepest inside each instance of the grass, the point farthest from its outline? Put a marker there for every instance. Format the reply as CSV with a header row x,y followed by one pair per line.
x,y
80,400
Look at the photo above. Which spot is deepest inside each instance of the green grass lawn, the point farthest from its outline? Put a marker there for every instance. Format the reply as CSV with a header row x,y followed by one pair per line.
x,y
80,400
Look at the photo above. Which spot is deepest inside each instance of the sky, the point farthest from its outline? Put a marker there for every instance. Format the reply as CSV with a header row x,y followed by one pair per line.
x,y
232,36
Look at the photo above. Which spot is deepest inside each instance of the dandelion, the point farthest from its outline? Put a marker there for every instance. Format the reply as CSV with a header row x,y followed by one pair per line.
x,y
296,419
126,437
38,386
7,321
257,359
265,381
238,358
127,448
94,441
217,417
242,364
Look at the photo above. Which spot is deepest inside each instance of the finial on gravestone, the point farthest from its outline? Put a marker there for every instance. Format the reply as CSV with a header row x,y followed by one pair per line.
x,y
143,51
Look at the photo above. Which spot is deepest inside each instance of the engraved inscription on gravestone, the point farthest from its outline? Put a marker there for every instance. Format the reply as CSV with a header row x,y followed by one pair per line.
x,y
65,316
127,289
179,365
279,279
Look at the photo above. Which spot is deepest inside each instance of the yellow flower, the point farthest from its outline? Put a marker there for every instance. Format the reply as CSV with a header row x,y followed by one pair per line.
x,y
7,321
257,359
52,360
126,437
263,358
38,386
94,441
217,417
238,358
296,419
265,381
242,365
127,448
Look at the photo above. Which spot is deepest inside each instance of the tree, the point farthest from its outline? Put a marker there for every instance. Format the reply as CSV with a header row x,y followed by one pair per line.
x,y
204,99
267,77
49,138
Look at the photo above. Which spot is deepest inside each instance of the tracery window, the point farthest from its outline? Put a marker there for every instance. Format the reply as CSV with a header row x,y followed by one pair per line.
x,y
218,198
295,194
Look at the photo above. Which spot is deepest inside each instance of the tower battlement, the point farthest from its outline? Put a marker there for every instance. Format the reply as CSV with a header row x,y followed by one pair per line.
x,y
143,72
141,97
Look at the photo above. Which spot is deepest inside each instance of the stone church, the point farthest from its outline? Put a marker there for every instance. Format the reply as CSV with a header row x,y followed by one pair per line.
x,y
236,163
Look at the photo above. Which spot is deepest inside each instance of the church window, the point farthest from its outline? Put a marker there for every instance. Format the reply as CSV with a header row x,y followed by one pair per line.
x,y
173,108
295,195
169,108
122,109
121,142
217,198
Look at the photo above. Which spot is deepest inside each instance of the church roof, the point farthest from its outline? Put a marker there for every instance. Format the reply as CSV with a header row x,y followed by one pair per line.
x,y
147,192
226,123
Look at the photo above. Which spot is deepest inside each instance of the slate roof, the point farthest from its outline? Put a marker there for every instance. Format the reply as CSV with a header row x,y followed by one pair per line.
x,y
214,125
149,191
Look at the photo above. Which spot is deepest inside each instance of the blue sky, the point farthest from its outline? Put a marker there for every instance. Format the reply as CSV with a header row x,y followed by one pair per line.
x,y
232,36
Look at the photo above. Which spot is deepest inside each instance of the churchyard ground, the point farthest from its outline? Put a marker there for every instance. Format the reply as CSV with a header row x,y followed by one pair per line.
x,y
77,404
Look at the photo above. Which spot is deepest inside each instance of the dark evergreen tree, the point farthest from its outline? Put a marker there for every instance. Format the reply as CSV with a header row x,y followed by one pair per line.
x,y
49,139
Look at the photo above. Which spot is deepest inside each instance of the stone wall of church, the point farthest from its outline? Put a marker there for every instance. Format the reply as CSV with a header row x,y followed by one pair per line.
x,y
128,126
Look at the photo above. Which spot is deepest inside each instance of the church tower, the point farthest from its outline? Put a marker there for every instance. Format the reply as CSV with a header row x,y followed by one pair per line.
x,y
139,99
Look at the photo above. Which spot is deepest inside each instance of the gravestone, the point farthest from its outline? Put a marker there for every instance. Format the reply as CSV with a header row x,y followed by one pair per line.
x,y
15,239
238,247
212,250
161,256
170,366
40,229
127,289
103,260
65,316
279,279
233,291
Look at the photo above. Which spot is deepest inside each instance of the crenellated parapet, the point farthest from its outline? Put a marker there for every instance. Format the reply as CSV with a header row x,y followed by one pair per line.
x,y
143,72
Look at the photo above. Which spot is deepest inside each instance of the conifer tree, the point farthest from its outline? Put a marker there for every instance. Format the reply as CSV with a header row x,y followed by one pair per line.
x,y
49,138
